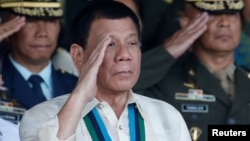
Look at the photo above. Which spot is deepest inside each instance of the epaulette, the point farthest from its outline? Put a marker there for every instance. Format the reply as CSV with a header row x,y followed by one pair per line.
x,y
247,70
64,71
248,74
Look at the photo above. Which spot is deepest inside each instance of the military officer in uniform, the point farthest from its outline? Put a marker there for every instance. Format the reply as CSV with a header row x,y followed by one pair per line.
x,y
28,72
205,84
8,106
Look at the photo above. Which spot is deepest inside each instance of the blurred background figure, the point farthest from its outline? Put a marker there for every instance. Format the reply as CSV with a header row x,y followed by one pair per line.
x,y
8,106
28,72
9,117
242,52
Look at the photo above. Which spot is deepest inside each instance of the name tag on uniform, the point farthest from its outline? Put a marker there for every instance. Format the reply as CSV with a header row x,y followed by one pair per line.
x,y
194,108
195,95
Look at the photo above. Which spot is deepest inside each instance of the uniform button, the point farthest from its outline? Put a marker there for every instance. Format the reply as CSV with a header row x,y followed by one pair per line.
x,y
101,106
231,121
120,127
194,116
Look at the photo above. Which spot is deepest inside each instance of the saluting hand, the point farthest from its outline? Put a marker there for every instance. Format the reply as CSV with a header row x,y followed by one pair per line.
x,y
184,38
86,87
10,27
88,74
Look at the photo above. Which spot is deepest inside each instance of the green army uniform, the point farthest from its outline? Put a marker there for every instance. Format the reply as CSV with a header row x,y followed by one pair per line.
x,y
160,20
153,69
171,80
188,73
155,59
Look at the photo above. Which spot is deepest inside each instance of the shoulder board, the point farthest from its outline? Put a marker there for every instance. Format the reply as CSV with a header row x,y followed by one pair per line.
x,y
66,72
247,70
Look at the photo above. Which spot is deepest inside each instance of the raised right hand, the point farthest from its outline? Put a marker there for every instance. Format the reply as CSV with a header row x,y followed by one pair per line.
x,y
10,27
185,37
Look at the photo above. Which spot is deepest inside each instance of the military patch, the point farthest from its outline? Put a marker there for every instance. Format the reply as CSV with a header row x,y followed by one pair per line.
x,y
195,97
11,113
195,92
189,85
195,133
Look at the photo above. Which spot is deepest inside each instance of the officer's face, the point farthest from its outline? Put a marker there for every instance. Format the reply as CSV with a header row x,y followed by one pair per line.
x,y
223,31
121,64
35,42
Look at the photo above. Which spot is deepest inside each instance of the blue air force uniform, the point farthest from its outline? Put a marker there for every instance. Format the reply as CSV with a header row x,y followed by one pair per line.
x,y
19,89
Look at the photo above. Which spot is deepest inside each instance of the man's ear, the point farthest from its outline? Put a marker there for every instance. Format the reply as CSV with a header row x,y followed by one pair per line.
x,y
184,21
77,53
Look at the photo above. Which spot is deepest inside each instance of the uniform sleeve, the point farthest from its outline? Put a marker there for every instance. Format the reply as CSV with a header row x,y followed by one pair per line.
x,y
33,128
154,65
48,132
40,123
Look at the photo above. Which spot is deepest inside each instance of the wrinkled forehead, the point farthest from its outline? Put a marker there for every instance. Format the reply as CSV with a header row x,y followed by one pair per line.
x,y
118,26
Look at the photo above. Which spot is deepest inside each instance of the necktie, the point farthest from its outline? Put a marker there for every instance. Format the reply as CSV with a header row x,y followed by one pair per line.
x,y
225,82
36,80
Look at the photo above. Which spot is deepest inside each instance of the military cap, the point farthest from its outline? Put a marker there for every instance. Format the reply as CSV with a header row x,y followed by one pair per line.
x,y
218,6
34,8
